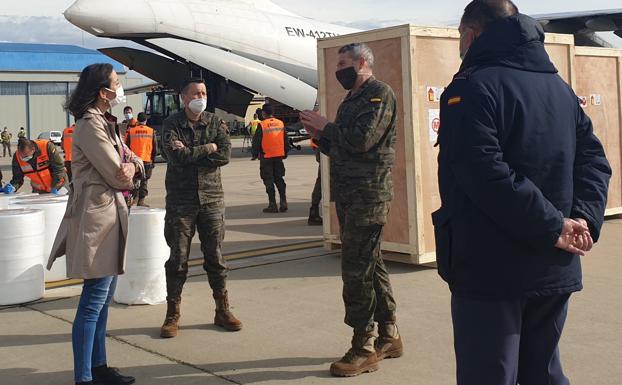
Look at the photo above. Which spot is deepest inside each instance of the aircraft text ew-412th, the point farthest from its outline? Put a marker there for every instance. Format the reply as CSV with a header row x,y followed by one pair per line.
x,y
300,32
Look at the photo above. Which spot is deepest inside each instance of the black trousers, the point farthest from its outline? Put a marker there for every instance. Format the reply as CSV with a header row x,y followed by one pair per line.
x,y
68,169
509,342
272,172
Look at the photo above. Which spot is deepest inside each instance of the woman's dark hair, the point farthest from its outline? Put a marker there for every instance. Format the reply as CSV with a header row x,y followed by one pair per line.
x,y
92,79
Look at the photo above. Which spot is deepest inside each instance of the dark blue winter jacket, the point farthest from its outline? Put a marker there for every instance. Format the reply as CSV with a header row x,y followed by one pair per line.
x,y
517,155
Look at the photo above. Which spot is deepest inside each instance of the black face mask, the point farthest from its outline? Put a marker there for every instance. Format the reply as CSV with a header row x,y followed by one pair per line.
x,y
347,77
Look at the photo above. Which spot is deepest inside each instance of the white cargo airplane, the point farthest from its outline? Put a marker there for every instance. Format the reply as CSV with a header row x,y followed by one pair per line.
x,y
244,47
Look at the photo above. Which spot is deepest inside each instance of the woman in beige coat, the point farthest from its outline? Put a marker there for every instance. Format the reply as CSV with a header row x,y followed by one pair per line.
x,y
93,232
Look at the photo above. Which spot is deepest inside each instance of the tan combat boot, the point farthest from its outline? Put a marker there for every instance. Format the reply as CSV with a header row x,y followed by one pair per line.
x,y
389,343
224,318
170,326
361,358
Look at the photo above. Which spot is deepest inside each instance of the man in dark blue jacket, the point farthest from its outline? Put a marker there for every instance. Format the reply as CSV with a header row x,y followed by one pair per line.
x,y
523,182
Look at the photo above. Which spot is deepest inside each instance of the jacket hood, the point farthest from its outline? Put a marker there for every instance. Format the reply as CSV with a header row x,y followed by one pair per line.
x,y
516,42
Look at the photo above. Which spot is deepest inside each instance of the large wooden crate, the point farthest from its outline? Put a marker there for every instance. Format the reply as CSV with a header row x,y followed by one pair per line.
x,y
598,79
417,62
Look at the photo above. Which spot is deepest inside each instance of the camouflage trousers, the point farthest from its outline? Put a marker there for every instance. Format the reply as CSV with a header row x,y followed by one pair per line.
x,y
367,292
6,146
316,195
180,225
143,185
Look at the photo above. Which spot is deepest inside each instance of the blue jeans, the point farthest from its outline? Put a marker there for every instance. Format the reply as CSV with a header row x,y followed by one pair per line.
x,y
88,335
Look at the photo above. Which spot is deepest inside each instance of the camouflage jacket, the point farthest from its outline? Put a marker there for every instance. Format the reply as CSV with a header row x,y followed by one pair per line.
x,y
6,137
56,164
361,146
193,175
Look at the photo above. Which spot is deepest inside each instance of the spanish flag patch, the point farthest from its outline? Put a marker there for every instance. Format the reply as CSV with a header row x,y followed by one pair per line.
x,y
375,100
454,100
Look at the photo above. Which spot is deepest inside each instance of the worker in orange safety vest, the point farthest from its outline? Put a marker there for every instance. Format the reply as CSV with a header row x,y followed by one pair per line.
x,y
41,162
270,146
142,141
66,143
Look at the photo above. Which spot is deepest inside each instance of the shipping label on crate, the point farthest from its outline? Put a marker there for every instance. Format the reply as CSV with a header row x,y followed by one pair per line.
x,y
434,123
595,99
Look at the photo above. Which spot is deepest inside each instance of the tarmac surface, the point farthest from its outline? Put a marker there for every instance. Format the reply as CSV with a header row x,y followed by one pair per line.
x,y
291,307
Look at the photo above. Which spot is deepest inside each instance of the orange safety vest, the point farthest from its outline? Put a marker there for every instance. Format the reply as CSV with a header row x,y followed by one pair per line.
x,y
273,138
41,178
141,142
68,141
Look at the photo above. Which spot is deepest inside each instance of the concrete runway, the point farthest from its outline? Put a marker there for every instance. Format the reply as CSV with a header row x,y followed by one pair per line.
x,y
292,311
248,228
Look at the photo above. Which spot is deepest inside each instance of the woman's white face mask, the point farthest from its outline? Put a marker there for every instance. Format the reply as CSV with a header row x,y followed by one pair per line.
x,y
119,98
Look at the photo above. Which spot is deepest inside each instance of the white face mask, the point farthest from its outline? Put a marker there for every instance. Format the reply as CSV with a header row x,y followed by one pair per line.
x,y
129,116
27,158
197,105
120,98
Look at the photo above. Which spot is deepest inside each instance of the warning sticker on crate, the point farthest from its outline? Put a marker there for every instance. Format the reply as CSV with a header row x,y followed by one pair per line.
x,y
434,93
434,123
582,101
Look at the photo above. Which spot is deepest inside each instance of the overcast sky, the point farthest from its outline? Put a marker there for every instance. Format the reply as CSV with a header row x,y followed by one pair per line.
x,y
41,21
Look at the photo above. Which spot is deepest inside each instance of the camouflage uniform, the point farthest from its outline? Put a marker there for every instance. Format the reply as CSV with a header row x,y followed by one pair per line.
x,y
361,146
6,142
56,164
194,197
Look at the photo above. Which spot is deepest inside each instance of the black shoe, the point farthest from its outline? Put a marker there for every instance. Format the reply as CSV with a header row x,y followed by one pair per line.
x,y
104,375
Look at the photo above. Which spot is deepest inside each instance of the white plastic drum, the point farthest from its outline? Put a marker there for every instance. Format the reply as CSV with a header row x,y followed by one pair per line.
x,y
37,197
144,281
53,210
21,256
6,199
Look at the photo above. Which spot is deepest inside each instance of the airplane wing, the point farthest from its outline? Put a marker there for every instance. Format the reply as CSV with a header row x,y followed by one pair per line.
x,y
231,97
583,24
141,88
253,75
163,70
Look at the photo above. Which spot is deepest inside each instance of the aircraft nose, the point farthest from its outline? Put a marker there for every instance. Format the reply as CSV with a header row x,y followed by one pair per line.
x,y
74,11
82,14
95,16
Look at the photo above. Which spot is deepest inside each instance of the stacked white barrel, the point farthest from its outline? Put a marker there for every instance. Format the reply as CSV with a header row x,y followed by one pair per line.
x,y
22,241
7,199
53,209
144,281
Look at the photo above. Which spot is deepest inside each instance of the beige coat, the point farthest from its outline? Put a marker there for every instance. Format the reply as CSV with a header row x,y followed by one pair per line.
x,y
93,232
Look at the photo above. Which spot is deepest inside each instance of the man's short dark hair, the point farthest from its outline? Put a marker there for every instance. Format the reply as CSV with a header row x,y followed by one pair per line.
x,y
24,143
189,81
127,108
481,13
268,109
142,117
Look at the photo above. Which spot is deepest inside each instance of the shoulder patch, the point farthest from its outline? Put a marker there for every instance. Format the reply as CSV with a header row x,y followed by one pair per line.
x,y
375,100
454,100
